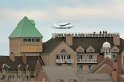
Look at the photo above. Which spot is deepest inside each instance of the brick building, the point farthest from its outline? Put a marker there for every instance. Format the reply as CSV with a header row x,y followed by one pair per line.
x,y
89,54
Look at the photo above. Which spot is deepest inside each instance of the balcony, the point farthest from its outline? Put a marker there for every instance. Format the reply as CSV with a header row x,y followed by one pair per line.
x,y
86,60
64,60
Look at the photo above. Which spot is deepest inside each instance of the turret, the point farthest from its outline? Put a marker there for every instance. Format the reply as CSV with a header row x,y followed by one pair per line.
x,y
106,49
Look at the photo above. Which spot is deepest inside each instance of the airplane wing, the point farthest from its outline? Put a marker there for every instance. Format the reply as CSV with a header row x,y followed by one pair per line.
x,y
63,24
56,26
69,27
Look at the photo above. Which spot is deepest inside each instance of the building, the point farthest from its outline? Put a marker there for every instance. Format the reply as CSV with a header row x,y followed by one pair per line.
x,y
61,74
88,54
80,50
25,44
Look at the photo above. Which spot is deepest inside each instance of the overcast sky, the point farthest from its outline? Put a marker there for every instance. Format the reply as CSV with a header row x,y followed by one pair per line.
x,y
85,15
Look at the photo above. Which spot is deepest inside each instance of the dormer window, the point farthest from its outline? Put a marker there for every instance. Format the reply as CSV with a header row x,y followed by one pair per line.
x,y
115,49
5,67
27,68
80,49
90,49
19,67
63,51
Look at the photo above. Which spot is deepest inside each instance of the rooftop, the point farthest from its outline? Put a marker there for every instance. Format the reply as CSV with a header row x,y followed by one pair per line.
x,y
100,34
25,28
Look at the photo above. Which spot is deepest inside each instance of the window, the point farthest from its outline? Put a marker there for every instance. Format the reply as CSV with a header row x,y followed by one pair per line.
x,y
37,40
90,56
63,51
113,56
12,76
79,68
29,39
79,56
68,57
90,66
57,57
25,40
32,40
9,77
63,56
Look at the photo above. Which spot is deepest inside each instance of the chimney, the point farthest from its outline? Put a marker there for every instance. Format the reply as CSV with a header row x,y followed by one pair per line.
x,y
24,59
116,39
122,58
100,58
12,57
69,40
115,64
114,75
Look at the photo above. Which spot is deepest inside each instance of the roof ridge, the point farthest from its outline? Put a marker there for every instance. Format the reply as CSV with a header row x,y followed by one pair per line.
x,y
23,25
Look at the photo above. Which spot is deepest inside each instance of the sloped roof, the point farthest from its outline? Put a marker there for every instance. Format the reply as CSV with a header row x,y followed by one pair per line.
x,y
25,28
51,44
106,61
121,44
31,61
96,43
105,69
93,77
55,73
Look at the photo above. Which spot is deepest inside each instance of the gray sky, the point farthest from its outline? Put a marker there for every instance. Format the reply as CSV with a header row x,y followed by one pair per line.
x,y
85,15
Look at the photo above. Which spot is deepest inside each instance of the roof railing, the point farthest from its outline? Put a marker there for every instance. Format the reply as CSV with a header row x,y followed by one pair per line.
x,y
59,35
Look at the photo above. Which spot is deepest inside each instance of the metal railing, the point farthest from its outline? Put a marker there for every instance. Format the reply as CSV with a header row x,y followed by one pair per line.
x,y
86,60
64,60
85,34
19,81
